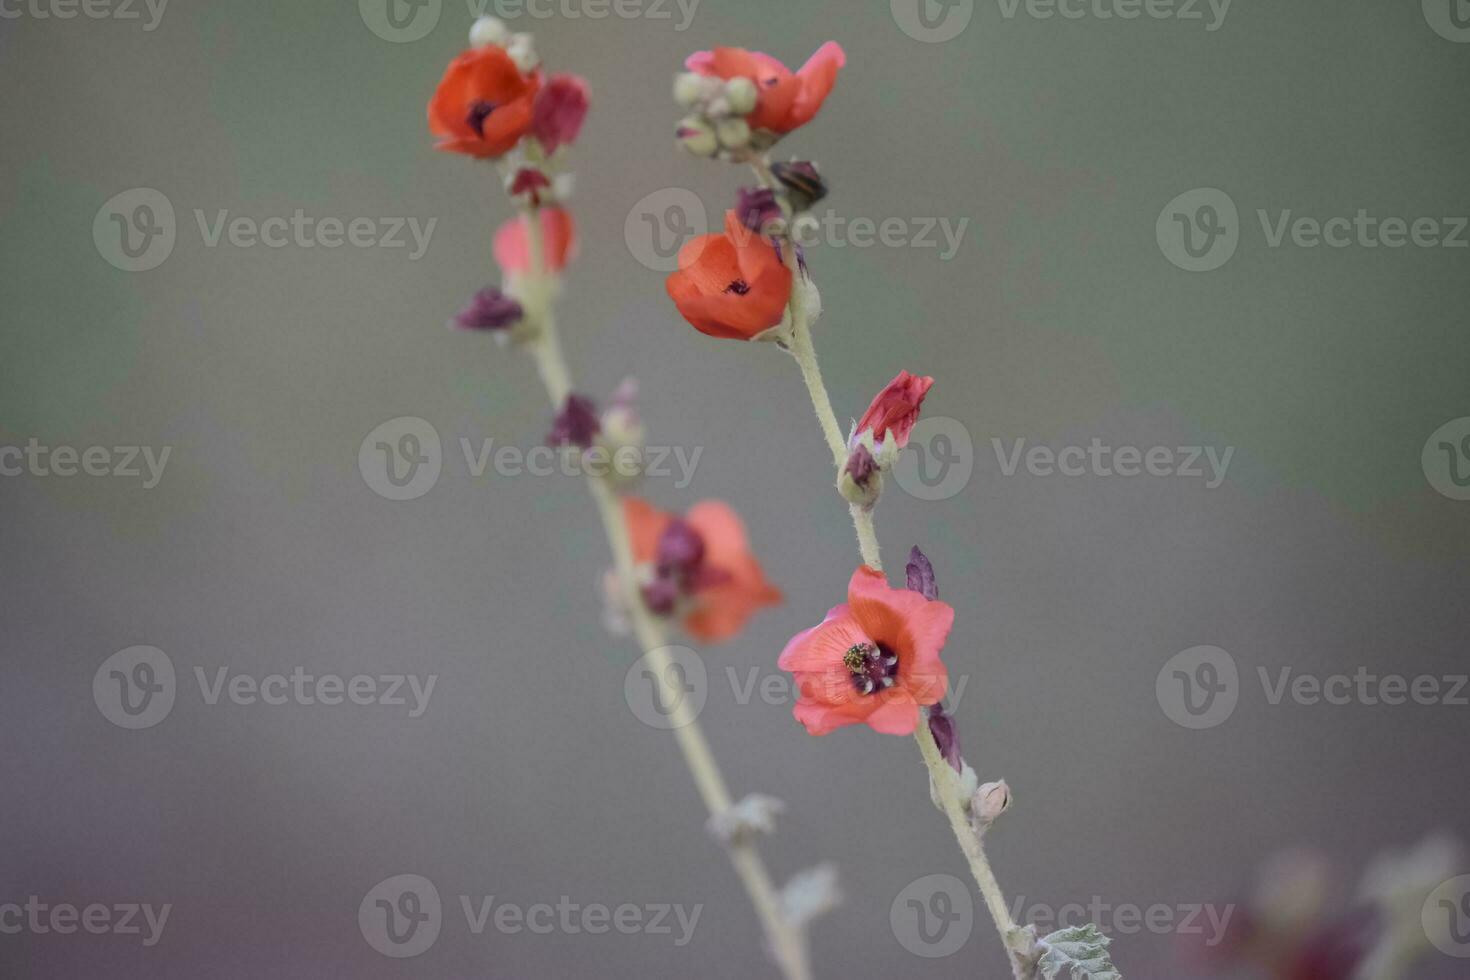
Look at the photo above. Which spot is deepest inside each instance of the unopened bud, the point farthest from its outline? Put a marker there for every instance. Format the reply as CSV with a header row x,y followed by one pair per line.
x,y
487,31
989,802
522,51
688,89
741,94
860,481
734,133
697,136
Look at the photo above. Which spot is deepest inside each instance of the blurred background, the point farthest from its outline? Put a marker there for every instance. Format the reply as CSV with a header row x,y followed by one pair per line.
x,y
1127,269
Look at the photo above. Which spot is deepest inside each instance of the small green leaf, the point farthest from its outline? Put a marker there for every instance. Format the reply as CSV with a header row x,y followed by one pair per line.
x,y
1082,950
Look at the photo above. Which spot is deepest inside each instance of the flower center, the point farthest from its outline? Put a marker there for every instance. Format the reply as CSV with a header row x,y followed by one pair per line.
x,y
480,111
873,666
738,286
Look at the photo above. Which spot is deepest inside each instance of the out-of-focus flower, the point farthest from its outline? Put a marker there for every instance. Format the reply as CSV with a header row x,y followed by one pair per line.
x,y
809,894
483,105
558,242
731,285
559,110
576,424
753,814
874,660
490,309
804,185
698,567
776,100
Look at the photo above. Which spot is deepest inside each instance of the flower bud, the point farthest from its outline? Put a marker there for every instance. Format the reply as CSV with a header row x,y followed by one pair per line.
x,y
522,51
487,31
802,182
860,481
989,802
741,94
697,136
688,89
576,424
734,133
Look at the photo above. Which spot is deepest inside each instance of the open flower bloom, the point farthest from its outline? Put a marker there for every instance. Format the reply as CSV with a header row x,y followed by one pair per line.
x,y
558,242
784,100
483,105
873,661
731,285
702,568
895,411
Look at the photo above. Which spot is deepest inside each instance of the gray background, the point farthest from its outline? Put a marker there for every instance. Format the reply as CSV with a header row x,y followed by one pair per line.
x,y
528,778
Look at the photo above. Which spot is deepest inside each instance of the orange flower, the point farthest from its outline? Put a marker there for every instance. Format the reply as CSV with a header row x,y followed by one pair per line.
x,y
872,661
702,567
558,242
483,105
784,101
731,285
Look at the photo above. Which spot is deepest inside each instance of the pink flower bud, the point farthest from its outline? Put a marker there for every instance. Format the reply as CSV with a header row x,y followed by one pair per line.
x,y
560,108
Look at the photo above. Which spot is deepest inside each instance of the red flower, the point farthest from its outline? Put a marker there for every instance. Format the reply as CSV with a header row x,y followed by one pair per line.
x,y
702,566
873,661
560,107
558,242
483,105
896,409
731,285
784,100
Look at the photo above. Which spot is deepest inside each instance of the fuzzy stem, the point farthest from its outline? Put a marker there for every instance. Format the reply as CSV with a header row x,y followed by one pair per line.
x,y
788,944
939,771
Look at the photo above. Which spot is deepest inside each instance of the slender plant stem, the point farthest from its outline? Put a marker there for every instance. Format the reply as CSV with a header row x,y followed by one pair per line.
x,y
940,772
787,943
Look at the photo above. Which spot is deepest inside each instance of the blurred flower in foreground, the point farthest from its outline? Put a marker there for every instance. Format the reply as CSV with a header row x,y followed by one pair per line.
x,y
698,567
483,105
558,242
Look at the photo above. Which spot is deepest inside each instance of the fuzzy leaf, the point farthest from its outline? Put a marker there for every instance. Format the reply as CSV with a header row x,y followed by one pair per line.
x,y
1082,950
